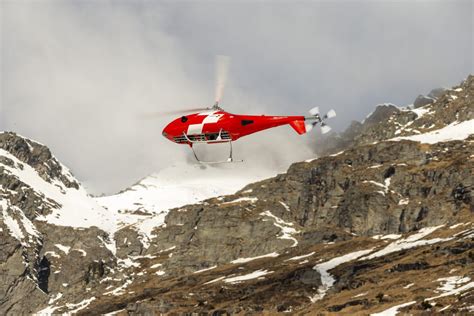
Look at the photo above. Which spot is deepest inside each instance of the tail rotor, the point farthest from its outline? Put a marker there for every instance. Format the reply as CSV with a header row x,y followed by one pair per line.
x,y
315,118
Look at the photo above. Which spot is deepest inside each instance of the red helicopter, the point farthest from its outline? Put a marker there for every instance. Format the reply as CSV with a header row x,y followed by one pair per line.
x,y
218,126
214,125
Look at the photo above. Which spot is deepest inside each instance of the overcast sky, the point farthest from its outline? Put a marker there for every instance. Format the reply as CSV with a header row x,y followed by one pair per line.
x,y
76,74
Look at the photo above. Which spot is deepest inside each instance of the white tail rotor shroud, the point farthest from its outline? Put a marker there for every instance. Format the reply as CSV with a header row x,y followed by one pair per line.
x,y
331,114
325,129
315,118
314,110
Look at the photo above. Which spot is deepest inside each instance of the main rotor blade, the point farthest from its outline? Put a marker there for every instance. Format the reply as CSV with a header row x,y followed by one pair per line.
x,y
222,68
151,115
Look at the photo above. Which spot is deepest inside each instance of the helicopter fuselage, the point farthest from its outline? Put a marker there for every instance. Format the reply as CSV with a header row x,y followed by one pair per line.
x,y
220,126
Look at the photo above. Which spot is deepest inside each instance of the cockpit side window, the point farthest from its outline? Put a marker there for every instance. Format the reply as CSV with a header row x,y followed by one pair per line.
x,y
184,119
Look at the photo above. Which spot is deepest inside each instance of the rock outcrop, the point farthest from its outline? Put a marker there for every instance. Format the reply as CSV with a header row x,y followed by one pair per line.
x,y
440,108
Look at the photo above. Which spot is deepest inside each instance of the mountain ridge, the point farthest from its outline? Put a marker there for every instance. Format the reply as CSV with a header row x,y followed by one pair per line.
x,y
339,234
441,107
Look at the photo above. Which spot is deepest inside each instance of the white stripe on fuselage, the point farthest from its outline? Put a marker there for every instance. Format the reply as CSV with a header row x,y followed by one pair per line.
x,y
211,117
207,113
194,129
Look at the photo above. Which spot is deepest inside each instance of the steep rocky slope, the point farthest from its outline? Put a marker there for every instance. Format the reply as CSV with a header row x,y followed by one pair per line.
x,y
386,224
440,108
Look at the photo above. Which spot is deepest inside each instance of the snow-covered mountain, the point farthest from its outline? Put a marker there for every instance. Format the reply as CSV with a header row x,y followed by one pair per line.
x,y
383,225
145,204
183,184
39,197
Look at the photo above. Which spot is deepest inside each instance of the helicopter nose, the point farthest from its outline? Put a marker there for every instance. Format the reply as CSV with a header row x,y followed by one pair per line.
x,y
165,131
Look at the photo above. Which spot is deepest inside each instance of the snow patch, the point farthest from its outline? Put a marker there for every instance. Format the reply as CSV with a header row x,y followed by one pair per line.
x,y
457,225
453,131
451,283
301,257
52,254
145,226
127,263
79,306
421,111
445,308
337,154
375,166
389,236
453,286
384,186
404,201
327,279
119,290
392,311
82,251
63,248
242,199
285,227
114,312
12,224
407,243
206,269
109,244
245,260
157,265
55,298
19,226
360,295
285,206
246,277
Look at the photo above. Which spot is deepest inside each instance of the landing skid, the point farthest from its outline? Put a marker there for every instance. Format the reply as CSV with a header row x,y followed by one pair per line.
x,y
218,162
229,160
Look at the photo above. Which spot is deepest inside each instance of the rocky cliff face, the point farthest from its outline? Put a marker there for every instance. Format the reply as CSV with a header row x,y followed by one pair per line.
x,y
386,223
438,109
38,257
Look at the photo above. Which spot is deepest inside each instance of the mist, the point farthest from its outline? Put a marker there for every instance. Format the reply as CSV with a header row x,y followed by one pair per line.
x,y
77,75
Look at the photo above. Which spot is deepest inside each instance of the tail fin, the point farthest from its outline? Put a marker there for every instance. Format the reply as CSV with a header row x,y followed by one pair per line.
x,y
299,126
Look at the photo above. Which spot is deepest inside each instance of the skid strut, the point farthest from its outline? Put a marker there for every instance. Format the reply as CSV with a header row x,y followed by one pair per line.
x,y
218,139
230,159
